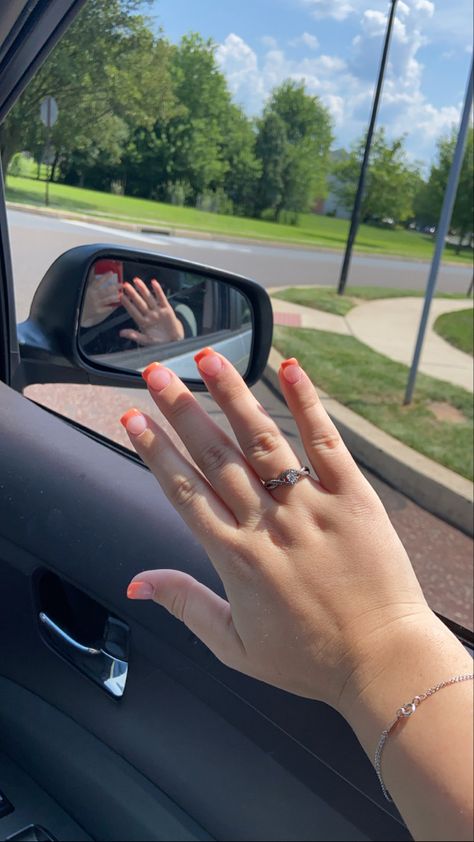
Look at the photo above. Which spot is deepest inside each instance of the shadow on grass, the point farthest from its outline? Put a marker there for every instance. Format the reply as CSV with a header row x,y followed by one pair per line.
x,y
35,198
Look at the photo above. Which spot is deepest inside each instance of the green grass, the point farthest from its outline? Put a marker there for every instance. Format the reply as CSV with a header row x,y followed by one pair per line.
x,y
373,386
28,168
312,230
318,298
458,329
326,299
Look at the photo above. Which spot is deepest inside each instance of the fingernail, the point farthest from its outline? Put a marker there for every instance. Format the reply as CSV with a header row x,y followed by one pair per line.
x,y
208,361
291,370
134,422
156,377
140,590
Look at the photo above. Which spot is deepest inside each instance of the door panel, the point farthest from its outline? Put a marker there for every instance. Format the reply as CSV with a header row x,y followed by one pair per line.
x,y
243,760
97,787
31,804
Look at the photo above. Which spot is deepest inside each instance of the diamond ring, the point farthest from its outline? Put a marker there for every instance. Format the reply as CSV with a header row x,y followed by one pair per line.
x,y
288,477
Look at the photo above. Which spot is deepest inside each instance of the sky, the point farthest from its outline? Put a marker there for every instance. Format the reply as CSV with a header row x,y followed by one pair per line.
x,y
335,47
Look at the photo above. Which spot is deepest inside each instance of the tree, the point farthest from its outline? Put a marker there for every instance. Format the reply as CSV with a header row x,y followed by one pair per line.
x,y
391,183
271,150
243,171
192,151
430,196
293,144
107,74
196,134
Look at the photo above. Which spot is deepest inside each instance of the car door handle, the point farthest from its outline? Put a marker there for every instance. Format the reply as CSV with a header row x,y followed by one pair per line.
x,y
107,670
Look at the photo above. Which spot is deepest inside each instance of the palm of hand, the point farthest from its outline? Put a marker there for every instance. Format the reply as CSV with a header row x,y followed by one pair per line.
x,y
152,313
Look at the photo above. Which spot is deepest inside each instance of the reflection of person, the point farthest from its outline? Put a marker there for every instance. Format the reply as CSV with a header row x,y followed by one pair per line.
x,y
105,327
321,598
103,292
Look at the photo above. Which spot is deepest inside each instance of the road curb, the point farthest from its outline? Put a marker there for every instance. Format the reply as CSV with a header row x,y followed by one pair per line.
x,y
196,234
434,487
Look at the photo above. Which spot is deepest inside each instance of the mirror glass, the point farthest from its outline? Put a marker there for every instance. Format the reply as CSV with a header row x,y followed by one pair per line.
x,y
135,313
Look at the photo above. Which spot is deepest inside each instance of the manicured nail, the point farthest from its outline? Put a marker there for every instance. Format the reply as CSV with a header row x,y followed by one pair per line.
x,y
140,590
134,422
208,361
156,377
291,370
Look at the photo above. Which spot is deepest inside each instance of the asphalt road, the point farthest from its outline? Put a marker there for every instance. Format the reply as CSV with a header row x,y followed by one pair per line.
x,y
442,555
37,240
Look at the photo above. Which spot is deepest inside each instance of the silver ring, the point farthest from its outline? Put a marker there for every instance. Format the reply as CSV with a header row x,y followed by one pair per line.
x,y
288,477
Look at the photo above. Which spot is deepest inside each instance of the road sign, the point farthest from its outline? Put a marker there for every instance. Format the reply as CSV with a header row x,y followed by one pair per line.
x,y
49,111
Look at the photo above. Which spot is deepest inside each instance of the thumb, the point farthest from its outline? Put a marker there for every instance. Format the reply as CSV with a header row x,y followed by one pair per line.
x,y
205,613
134,336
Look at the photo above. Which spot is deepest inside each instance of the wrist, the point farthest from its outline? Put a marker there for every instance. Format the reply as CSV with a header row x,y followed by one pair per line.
x,y
412,655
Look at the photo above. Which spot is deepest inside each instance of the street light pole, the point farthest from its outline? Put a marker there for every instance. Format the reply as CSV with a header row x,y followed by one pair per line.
x,y
443,226
365,161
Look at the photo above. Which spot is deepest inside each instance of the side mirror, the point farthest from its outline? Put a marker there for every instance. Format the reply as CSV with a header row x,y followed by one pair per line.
x,y
101,314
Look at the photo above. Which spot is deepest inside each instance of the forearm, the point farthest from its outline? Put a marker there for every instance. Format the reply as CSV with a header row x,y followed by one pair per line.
x,y
427,759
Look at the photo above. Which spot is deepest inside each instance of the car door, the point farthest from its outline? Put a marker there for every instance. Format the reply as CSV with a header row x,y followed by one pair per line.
x,y
190,749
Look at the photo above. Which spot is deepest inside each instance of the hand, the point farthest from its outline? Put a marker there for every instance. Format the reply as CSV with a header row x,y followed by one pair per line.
x,y
102,296
152,314
317,581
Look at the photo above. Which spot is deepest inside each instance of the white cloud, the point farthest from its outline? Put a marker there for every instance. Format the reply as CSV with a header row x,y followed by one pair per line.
x,y
305,40
337,9
402,8
240,65
269,41
446,20
425,6
346,85
336,107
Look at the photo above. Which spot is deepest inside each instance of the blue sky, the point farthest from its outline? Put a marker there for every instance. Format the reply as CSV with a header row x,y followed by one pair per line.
x,y
335,45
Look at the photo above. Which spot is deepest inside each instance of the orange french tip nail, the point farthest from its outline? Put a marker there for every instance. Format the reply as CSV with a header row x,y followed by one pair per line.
x,y
129,414
204,353
147,371
290,361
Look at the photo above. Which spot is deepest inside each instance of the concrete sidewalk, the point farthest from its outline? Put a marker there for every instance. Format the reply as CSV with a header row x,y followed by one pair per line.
x,y
389,326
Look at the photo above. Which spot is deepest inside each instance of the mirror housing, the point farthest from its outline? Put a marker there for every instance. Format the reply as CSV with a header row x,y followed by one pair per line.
x,y
49,344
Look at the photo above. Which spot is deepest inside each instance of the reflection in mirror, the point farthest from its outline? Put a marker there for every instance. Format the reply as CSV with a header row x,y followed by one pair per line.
x,y
134,313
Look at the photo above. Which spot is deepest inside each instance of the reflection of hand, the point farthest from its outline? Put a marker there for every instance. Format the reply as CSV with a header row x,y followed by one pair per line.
x,y
152,313
102,296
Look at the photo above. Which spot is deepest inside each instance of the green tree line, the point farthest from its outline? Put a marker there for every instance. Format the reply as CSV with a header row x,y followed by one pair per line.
x,y
140,115
143,116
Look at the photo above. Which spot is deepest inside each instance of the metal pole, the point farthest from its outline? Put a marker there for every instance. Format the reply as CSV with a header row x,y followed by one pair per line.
x,y
48,143
443,226
365,161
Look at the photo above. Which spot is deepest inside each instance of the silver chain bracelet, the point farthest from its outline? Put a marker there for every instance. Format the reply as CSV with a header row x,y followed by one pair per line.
x,y
403,713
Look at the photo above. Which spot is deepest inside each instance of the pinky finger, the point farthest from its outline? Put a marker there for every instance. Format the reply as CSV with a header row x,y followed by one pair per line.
x,y
205,613
326,450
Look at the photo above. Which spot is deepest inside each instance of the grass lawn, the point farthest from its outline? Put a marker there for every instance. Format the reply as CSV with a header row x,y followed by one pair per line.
x,y
312,230
373,386
322,298
458,329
